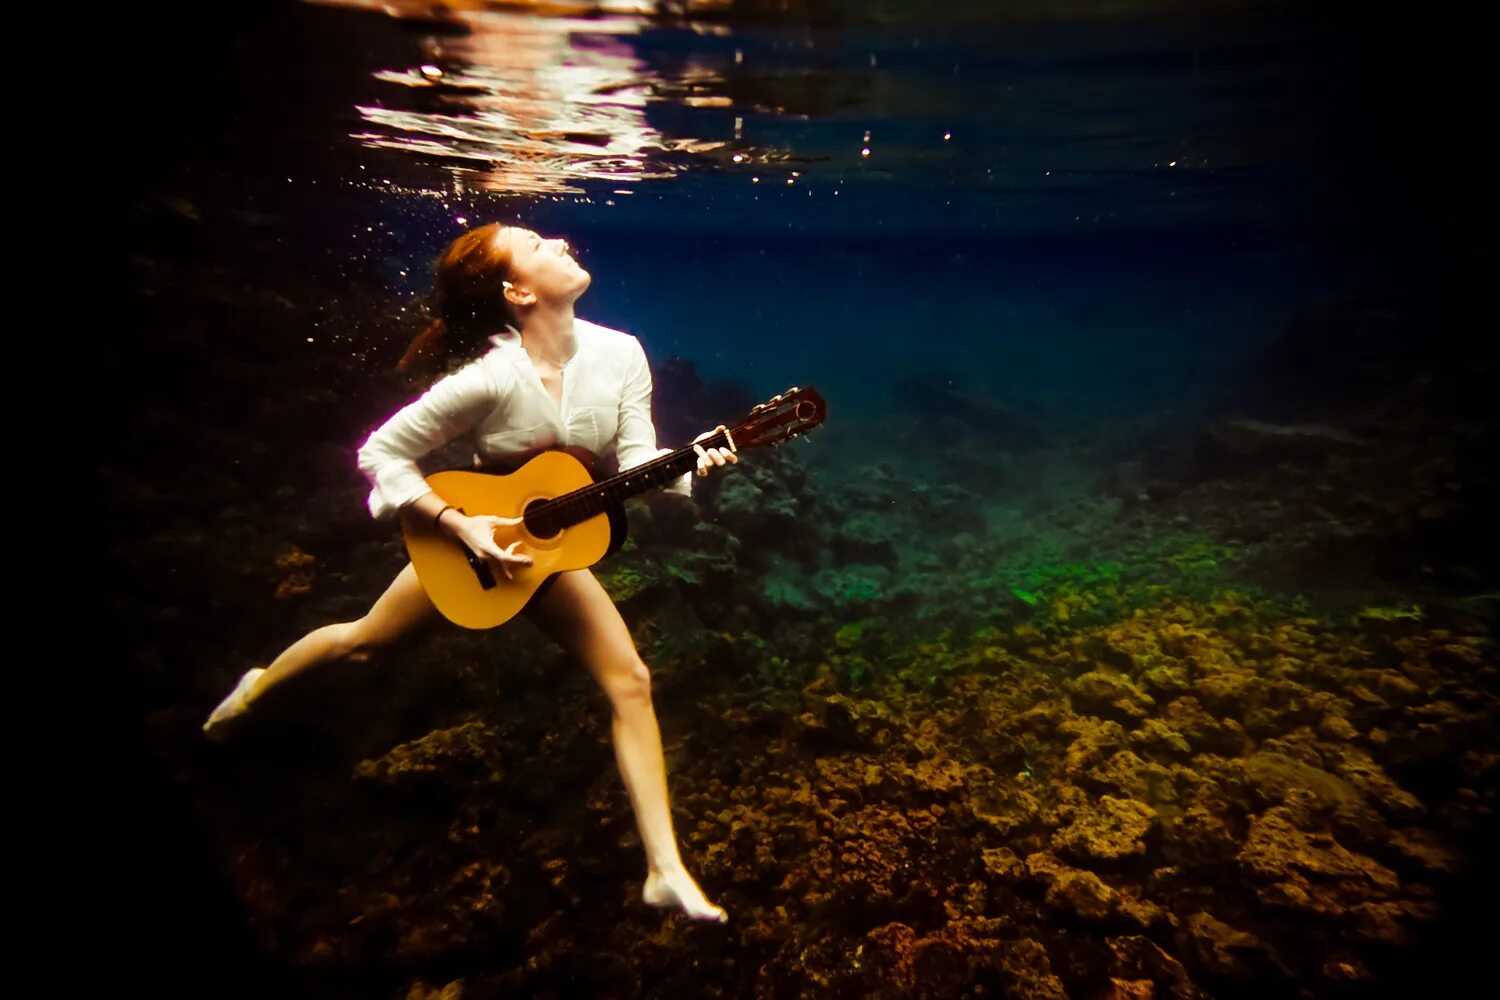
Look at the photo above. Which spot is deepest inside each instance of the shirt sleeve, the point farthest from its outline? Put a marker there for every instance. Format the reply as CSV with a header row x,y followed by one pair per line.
x,y
636,440
388,458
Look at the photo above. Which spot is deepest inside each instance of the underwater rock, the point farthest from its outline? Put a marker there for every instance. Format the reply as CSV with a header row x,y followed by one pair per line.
x,y
1227,695
1158,739
1244,438
854,723
1360,770
467,753
1138,959
1423,849
1109,696
785,587
1279,705
1459,655
1309,791
1026,971
1166,681
1133,778
1129,989
1336,727
1293,869
754,507
1206,733
1007,806
866,537
1107,830
1003,864
1434,736
1344,971
1094,740
859,777
449,918
1082,894
850,589
1140,911
1225,951
871,858
1390,686
941,776
941,963
1085,895
1198,839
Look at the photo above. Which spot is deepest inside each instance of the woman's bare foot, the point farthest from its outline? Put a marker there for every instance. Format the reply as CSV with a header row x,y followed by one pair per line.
x,y
675,887
235,704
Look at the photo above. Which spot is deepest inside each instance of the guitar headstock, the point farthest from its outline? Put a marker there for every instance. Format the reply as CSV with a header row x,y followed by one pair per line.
x,y
781,418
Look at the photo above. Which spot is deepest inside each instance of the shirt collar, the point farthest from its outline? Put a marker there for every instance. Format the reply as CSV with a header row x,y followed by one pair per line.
x,y
509,340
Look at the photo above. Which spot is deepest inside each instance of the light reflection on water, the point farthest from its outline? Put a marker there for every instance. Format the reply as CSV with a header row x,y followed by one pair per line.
x,y
512,102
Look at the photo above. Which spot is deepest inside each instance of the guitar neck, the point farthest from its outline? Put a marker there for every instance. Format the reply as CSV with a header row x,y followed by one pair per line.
x,y
572,508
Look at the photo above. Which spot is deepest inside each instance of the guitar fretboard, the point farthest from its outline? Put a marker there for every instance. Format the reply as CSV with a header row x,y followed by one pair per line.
x,y
547,518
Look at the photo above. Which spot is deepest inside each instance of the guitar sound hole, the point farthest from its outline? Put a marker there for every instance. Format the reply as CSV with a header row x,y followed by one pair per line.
x,y
538,526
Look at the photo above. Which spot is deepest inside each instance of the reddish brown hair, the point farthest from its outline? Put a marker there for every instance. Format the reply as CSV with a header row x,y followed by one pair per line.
x,y
470,301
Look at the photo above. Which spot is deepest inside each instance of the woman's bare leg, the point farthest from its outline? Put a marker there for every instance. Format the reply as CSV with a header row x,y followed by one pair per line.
x,y
402,607
578,614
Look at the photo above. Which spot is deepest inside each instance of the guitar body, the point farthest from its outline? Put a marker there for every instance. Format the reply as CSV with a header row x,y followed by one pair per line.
x,y
469,591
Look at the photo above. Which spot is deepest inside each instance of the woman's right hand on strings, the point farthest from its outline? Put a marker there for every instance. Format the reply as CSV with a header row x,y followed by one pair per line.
x,y
478,533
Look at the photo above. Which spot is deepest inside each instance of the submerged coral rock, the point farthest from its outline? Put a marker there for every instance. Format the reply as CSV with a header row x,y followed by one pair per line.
x,y
1094,740
1139,959
1294,869
1130,989
1361,771
1206,733
1423,848
1133,778
1274,778
1158,739
1003,864
1026,971
867,537
1336,727
1006,806
1083,894
1272,775
1109,696
1106,830
467,751
1199,838
1225,951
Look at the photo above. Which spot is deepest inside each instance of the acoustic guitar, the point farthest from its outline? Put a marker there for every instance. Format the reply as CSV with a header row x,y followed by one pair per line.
x,y
569,520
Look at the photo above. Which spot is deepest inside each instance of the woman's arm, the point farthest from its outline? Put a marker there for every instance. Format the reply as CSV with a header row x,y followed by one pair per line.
x,y
388,458
636,437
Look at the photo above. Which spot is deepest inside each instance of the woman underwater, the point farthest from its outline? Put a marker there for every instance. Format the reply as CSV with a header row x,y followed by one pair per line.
x,y
536,377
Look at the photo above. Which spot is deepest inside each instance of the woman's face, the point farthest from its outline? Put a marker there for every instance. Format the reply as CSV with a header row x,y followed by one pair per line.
x,y
544,268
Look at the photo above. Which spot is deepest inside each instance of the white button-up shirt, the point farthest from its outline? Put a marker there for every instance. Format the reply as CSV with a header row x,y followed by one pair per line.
x,y
606,406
